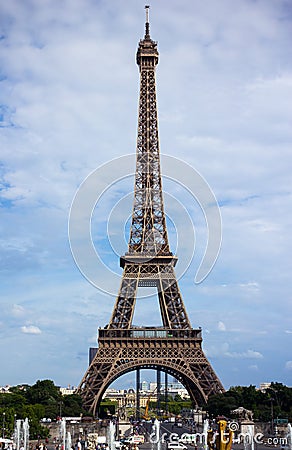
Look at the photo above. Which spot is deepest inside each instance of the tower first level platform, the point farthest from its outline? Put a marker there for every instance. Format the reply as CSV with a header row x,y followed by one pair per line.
x,y
174,351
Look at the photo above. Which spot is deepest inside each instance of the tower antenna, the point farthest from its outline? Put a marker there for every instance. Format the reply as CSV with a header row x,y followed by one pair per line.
x,y
147,34
147,13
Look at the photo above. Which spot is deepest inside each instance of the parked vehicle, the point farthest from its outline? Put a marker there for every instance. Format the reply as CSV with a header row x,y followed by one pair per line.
x,y
176,446
135,439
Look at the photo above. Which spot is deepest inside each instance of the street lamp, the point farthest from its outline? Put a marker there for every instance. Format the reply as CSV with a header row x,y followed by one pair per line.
x,y
3,426
272,416
60,409
275,392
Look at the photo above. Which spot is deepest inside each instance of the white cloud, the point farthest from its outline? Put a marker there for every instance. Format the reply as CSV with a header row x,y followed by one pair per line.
x,y
221,326
223,349
17,310
252,354
252,286
30,329
288,365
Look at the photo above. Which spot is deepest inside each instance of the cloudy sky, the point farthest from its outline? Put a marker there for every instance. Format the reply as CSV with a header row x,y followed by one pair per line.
x,y
69,99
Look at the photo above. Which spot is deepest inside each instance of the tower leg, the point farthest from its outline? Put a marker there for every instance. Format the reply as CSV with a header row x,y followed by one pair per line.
x,y
165,393
158,378
138,384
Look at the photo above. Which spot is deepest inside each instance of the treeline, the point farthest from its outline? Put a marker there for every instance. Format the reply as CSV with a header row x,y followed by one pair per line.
x,y
275,403
175,405
43,399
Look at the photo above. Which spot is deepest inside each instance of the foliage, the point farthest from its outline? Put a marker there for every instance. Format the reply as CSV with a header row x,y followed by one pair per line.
x,y
43,399
43,392
174,405
72,405
275,402
107,408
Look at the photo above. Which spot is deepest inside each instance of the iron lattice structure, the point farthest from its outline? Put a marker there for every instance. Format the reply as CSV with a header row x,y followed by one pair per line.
x,y
175,347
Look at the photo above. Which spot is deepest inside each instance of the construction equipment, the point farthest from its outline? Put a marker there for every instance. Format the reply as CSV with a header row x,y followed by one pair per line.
x,y
146,413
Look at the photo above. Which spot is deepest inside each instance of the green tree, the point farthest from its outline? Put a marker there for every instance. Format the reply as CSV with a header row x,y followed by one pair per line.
x,y
221,404
174,405
72,405
43,399
276,401
35,413
43,392
281,397
107,408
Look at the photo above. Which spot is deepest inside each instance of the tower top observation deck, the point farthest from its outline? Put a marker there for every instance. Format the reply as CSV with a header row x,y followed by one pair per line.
x,y
147,53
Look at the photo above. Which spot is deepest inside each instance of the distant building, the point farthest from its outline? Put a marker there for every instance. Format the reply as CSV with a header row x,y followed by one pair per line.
x,y
127,398
144,386
68,390
264,386
5,389
174,388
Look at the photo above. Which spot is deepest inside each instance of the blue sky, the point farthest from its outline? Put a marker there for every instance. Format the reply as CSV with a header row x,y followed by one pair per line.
x,y
69,98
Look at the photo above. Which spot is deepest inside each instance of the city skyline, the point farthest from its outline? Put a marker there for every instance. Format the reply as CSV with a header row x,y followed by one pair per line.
x,y
69,103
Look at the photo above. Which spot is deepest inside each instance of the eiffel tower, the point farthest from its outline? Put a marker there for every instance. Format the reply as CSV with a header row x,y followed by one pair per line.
x,y
176,347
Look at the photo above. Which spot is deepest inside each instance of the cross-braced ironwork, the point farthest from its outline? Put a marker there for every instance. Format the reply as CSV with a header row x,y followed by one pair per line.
x,y
176,346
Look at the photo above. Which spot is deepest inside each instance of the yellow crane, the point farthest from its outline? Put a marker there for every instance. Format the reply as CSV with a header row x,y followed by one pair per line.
x,y
146,413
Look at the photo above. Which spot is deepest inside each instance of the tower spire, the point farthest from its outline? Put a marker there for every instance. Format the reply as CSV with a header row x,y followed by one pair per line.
x,y
147,33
